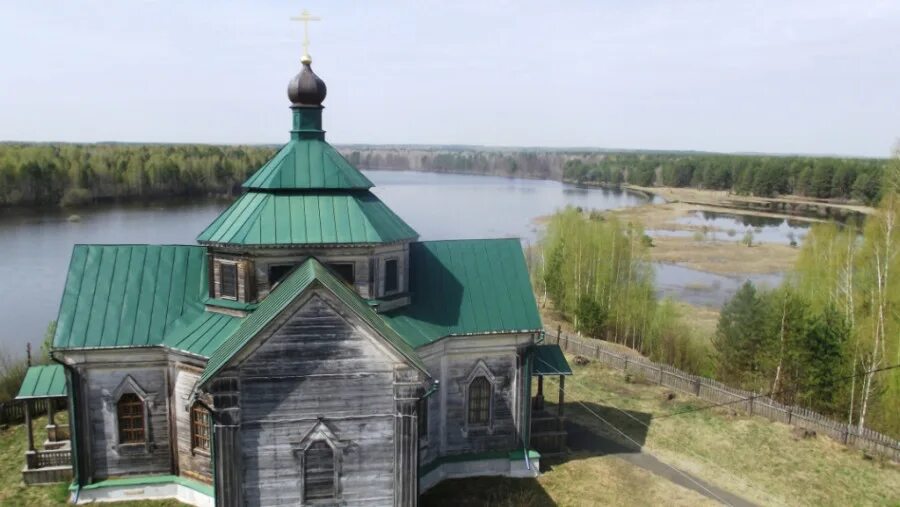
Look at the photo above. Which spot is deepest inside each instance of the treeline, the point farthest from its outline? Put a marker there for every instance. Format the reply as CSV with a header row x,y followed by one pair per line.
x,y
829,337
765,176
67,174
595,271
516,164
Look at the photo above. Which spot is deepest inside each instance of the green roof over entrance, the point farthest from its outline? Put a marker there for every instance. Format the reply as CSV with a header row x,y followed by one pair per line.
x,y
466,287
44,381
303,277
129,295
550,360
261,218
305,164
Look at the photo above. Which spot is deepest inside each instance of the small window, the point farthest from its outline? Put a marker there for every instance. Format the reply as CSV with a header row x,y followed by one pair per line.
x,y
479,401
318,473
391,278
199,428
130,411
423,419
343,270
228,280
277,273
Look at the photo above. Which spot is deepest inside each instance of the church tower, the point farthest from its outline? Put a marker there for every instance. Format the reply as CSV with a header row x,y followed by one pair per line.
x,y
307,201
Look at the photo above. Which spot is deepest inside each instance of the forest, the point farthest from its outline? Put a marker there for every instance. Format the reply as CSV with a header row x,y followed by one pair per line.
x,y
72,174
828,338
763,176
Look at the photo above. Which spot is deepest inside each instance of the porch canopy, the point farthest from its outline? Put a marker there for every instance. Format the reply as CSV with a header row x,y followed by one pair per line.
x,y
550,360
43,381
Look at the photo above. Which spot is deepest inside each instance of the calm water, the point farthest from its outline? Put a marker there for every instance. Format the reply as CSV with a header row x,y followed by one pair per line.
x,y
764,229
705,289
35,246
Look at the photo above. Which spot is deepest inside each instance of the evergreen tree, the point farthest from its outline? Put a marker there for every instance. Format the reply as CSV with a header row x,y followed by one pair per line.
x,y
740,336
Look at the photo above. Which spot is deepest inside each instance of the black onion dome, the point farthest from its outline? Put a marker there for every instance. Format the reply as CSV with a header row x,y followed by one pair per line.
x,y
306,88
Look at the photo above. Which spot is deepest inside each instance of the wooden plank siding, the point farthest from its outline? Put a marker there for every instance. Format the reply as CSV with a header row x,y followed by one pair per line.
x,y
452,360
193,464
108,458
321,366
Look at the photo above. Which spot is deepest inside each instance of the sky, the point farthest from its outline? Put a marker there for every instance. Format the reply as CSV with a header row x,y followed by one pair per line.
x,y
817,77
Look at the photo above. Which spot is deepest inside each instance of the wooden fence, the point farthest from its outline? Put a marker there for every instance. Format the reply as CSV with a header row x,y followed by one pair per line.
x,y
718,393
13,411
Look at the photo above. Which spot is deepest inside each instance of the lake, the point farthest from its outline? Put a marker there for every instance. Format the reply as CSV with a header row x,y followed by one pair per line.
x,y
35,245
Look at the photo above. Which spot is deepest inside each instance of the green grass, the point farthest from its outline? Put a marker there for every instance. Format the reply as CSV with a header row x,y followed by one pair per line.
x,y
750,457
14,492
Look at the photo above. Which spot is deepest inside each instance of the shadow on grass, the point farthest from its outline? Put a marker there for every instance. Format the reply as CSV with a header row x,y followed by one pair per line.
x,y
587,436
598,430
487,491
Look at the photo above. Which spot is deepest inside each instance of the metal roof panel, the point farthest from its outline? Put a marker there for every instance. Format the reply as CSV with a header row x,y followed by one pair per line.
x,y
43,381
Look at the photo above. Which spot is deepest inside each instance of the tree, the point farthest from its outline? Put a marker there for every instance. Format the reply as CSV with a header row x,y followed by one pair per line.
x,y
740,337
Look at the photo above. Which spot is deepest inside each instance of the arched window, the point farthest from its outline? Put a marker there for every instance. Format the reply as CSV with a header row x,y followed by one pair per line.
x,y
130,410
318,472
199,428
479,401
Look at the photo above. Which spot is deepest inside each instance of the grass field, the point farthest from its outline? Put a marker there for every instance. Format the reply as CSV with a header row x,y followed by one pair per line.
x,y
14,492
750,457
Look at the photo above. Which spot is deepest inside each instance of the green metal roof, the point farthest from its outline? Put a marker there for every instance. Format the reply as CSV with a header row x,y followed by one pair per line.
x,y
259,218
306,164
465,287
202,335
44,381
550,360
129,295
302,278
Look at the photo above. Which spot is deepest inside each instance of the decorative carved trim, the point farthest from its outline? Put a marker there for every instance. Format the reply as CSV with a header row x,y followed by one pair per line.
x,y
480,370
110,407
321,432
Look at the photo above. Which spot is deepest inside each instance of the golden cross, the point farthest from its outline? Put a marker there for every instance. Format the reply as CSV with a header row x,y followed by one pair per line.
x,y
305,17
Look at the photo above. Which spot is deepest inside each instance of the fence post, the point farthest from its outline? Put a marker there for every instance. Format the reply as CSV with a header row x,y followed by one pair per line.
x,y
559,334
697,387
790,414
751,403
845,434
660,374
625,368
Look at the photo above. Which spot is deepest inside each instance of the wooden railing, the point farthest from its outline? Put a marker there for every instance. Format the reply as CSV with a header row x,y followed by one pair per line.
x,y
719,393
57,458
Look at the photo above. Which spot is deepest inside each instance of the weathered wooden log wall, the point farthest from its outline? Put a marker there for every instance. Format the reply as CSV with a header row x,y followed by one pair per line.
x,y
108,457
322,367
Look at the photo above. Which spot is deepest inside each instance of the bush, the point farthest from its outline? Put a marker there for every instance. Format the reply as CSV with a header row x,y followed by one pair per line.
x,y
76,196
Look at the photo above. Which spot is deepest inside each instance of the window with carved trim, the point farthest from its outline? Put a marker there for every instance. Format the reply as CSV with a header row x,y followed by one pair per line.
x,y
479,401
318,472
199,428
130,412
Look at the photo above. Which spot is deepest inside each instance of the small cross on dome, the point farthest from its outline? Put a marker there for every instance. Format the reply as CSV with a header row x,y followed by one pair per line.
x,y
306,17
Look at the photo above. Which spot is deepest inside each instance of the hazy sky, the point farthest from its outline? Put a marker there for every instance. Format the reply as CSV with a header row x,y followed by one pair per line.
x,y
726,75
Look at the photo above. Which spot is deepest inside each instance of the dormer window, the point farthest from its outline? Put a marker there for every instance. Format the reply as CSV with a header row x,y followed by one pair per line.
x,y
278,272
343,270
228,279
391,276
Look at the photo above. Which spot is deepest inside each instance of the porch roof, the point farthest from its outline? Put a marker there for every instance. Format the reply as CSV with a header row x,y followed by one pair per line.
x,y
550,360
43,381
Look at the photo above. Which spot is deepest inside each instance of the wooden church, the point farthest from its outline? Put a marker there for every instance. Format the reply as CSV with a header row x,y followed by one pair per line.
x,y
308,351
